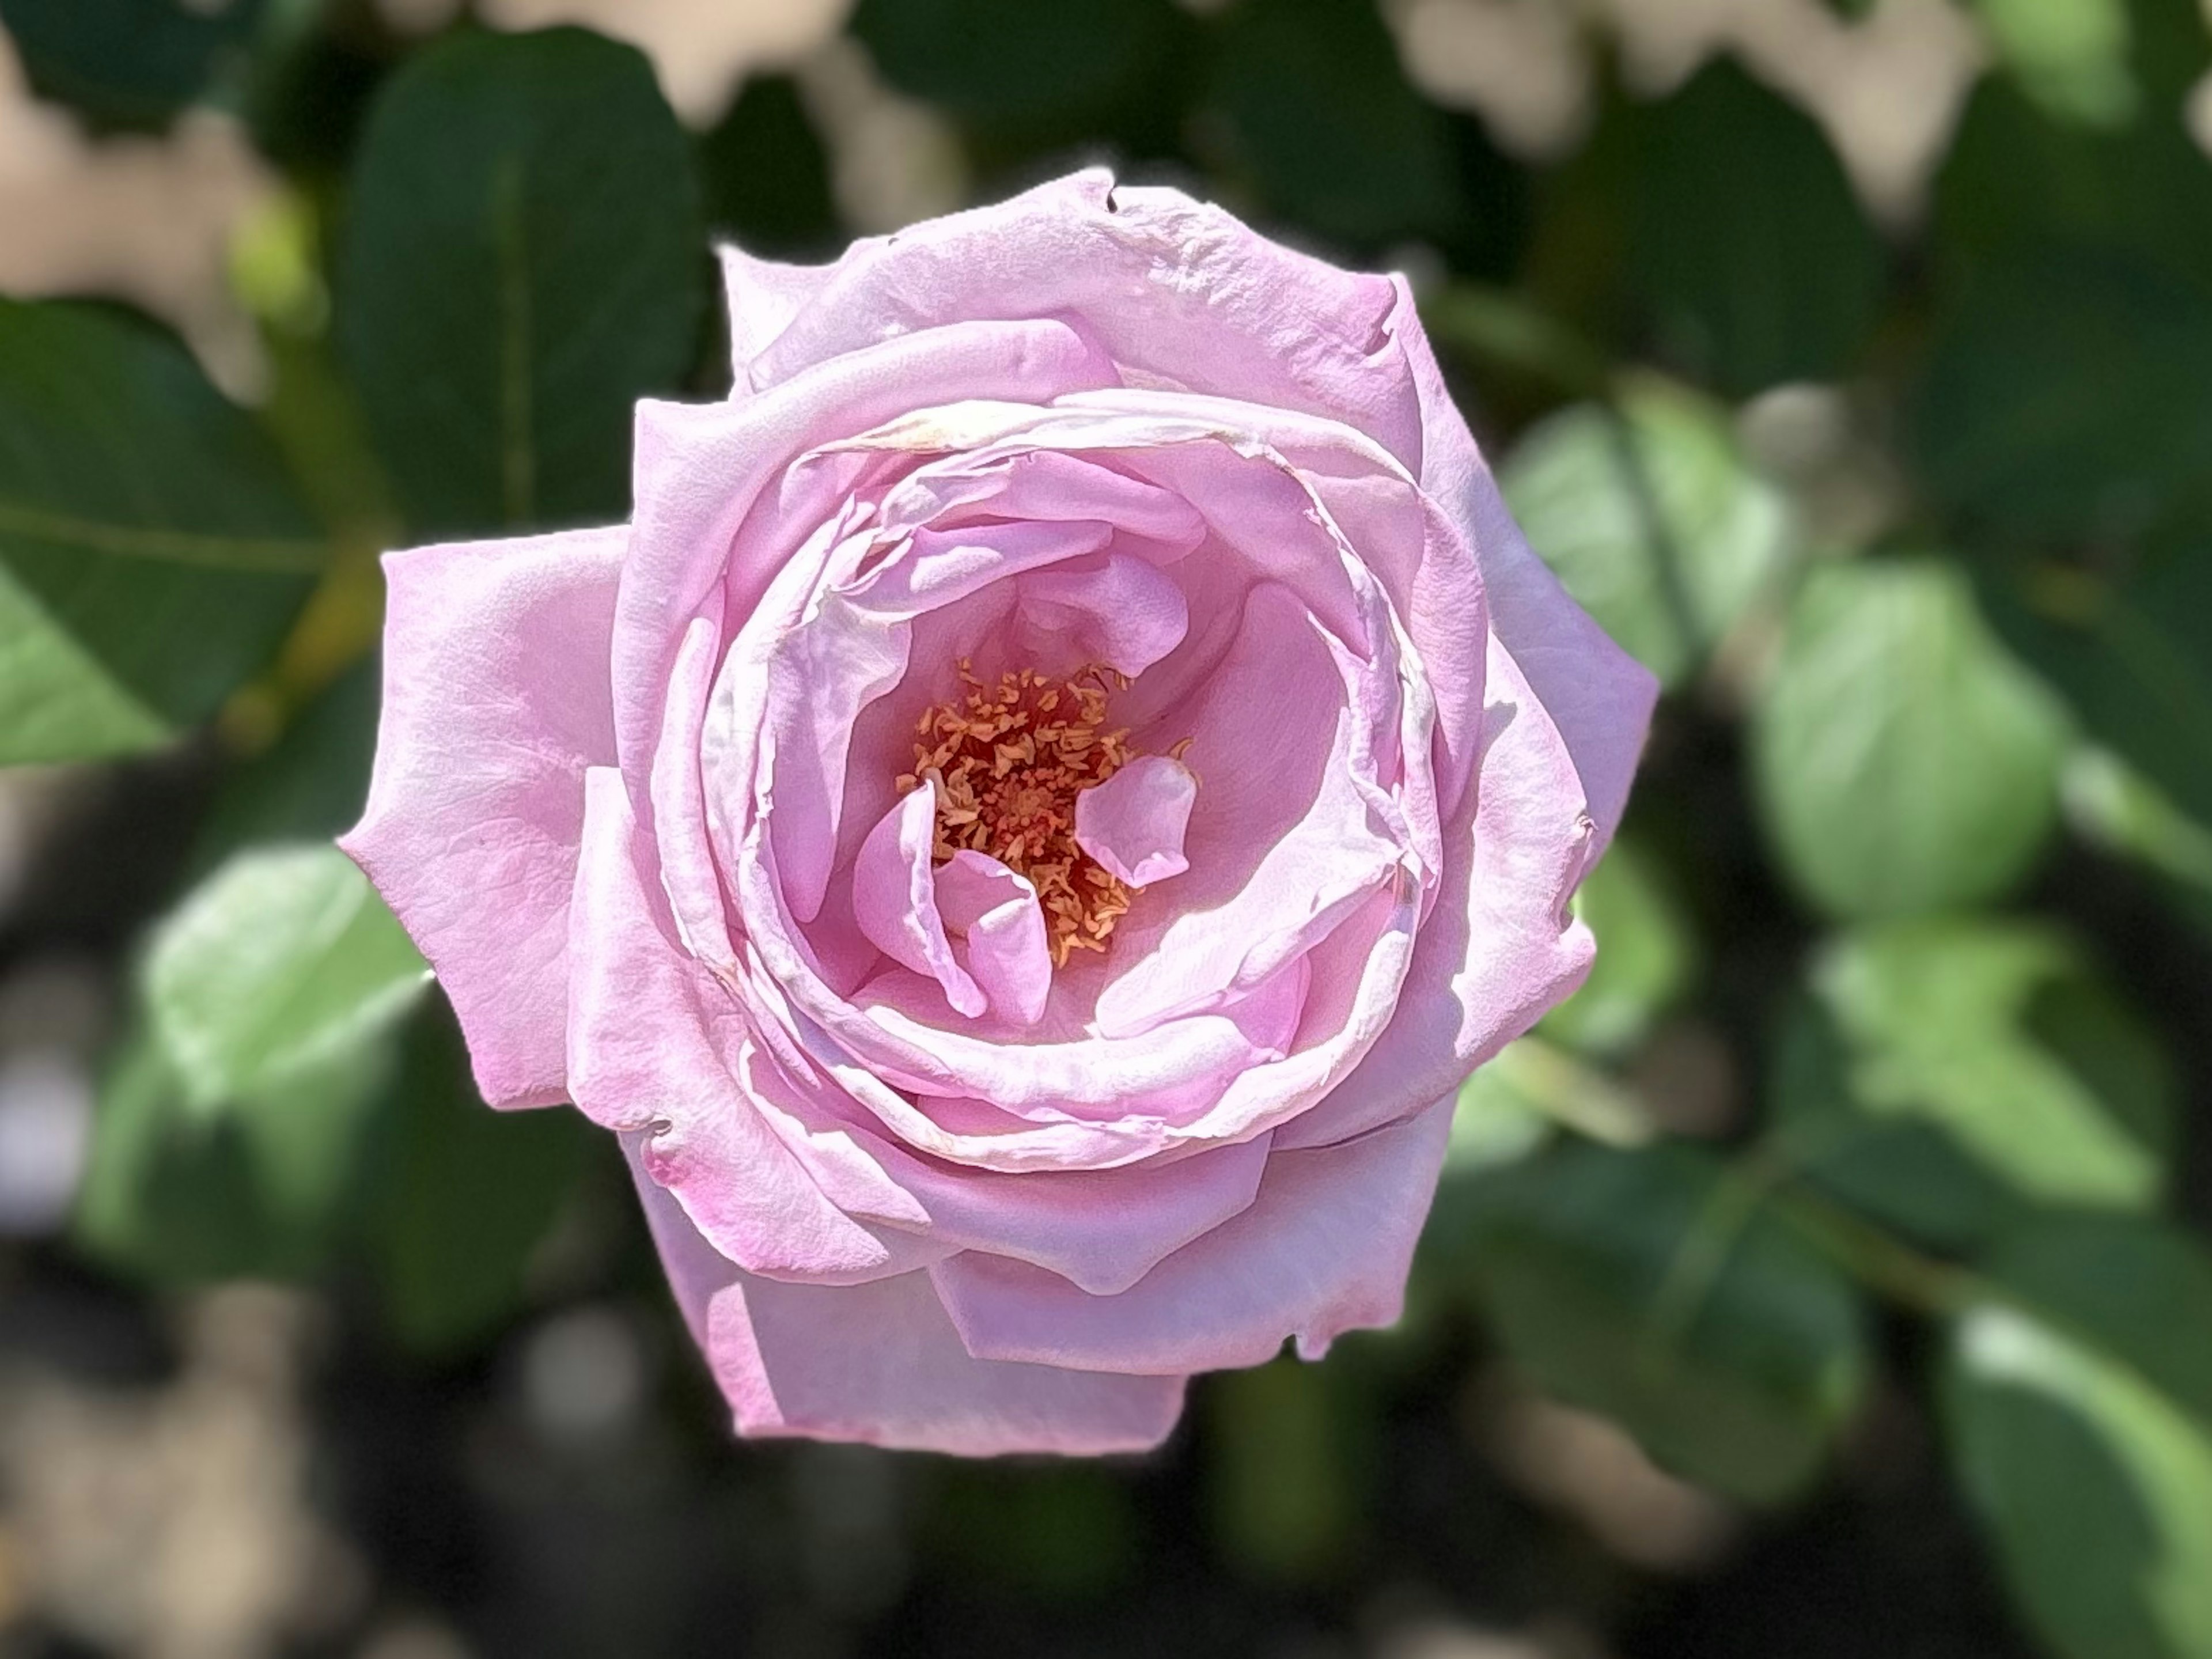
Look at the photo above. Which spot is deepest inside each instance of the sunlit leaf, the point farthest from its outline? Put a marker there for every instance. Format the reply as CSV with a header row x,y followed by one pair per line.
x,y
1652,518
152,551
2079,1404
282,959
1903,761
1946,1073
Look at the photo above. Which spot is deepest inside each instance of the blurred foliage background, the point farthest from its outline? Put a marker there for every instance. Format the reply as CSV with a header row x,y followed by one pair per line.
x,y
1827,1278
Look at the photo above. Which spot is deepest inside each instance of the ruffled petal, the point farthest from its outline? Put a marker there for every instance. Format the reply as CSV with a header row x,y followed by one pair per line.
x,y
881,1364
1324,1250
649,1031
995,914
495,701
894,899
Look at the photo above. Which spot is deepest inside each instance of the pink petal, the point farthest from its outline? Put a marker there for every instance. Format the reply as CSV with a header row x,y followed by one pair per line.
x,y
1133,823
1324,1249
996,913
1599,697
699,471
495,701
649,1030
763,297
881,1364
1176,288
1498,948
1121,612
895,898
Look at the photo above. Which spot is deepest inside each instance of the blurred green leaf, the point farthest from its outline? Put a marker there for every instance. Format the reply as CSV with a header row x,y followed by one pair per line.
x,y
1010,62
767,175
282,959
1653,519
1903,761
2062,401
152,552
2112,805
177,1191
129,63
1646,955
2070,56
311,785
2133,654
1947,1071
522,262
1653,1288
2079,1406
1744,239
1282,1484
466,1194
1058,1531
1529,1087
1323,121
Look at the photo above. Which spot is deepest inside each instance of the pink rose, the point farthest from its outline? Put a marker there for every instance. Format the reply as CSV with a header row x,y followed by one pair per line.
x,y
1025,831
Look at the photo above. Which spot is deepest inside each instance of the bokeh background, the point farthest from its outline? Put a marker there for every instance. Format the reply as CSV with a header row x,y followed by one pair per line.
x,y
1826,1279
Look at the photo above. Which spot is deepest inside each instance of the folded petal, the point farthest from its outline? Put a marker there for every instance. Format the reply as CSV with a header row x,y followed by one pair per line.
x,y
1324,1250
881,1364
495,701
650,1034
995,914
894,899
1133,823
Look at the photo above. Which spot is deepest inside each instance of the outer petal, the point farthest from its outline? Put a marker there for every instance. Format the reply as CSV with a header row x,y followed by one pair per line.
x,y
1324,1249
1499,947
647,1031
765,296
1599,697
881,1364
495,701
1178,292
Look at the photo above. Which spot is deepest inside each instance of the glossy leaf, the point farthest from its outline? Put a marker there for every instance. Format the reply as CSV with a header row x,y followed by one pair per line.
x,y
1652,518
152,551
2078,1404
1903,763
1773,275
281,960
1649,1286
523,261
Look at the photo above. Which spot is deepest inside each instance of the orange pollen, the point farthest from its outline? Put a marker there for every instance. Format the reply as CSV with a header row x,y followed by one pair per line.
x,y
1008,761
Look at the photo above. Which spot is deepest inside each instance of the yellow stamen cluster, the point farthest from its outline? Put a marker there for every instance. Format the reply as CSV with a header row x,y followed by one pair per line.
x,y
1008,761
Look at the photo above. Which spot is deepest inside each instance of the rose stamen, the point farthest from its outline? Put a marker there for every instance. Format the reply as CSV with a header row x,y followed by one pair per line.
x,y
1008,761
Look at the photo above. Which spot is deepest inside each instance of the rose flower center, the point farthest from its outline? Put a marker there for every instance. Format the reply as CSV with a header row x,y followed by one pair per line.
x,y
1008,761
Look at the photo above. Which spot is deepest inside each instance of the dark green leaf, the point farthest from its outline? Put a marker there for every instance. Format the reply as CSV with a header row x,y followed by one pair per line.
x,y
311,785
1010,62
2079,1403
1652,518
177,1191
1321,118
129,62
767,175
466,1194
1284,1489
1946,1072
1745,239
1903,761
2133,654
152,552
522,262
2063,402
1651,1287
